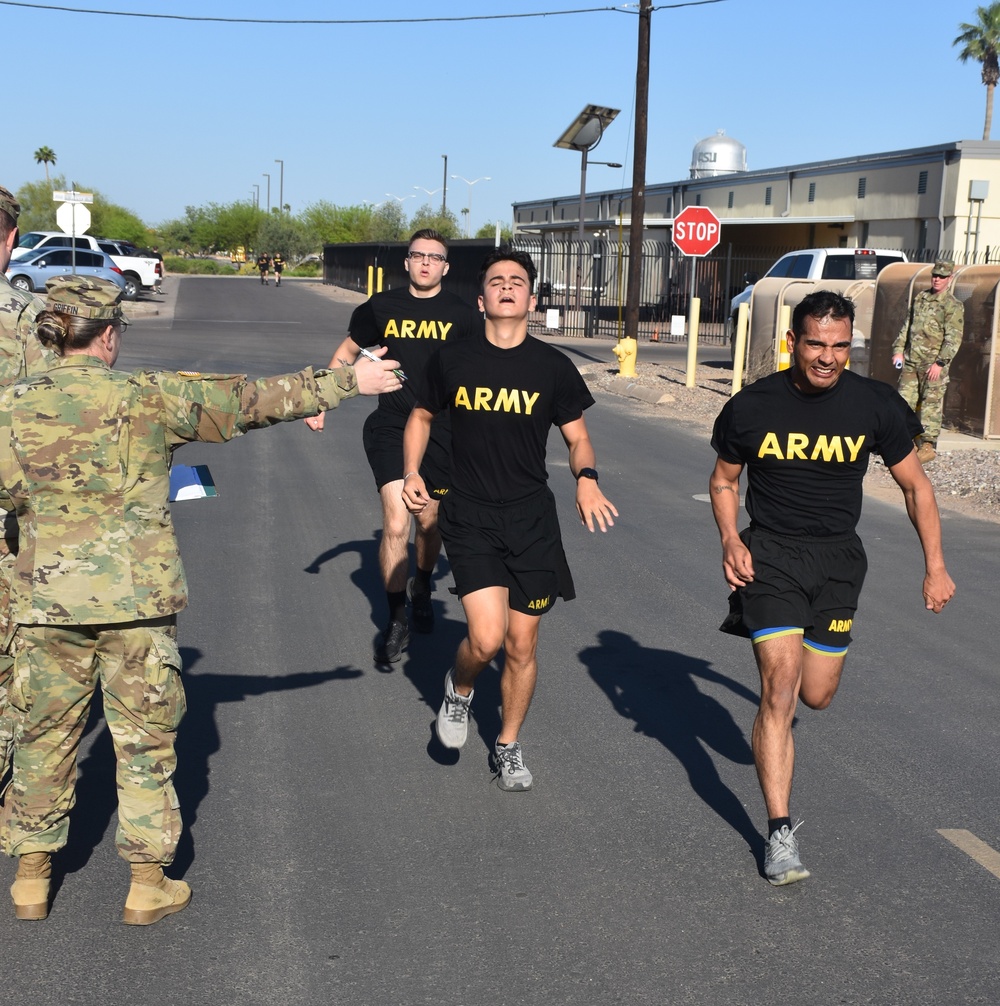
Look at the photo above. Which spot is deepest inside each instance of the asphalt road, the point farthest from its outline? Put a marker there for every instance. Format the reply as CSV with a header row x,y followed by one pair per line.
x,y
338,855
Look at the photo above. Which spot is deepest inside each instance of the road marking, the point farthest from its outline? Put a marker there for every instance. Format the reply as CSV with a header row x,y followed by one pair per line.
x,y
985,855
236,321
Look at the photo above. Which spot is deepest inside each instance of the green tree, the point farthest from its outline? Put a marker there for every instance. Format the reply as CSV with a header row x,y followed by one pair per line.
x,y
327,223
427,216
490,230
235,225
46,156
38,210
183,235
285,235
980,41
388,222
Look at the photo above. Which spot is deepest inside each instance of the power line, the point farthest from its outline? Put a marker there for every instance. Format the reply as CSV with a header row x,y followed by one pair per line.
x,y
626,8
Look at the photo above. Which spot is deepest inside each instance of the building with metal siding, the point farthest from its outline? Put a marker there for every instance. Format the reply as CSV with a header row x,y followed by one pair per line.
x,y
944,197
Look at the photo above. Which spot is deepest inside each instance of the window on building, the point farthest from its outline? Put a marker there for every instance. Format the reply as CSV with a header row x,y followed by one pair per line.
x,y
532,220
767,196
546,216
812,192
670,205
697,199
922,183
562,213
730,200
862,185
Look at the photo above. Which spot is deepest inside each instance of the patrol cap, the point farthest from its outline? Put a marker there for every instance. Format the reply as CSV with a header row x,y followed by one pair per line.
x,y
9,204
943,268
85,298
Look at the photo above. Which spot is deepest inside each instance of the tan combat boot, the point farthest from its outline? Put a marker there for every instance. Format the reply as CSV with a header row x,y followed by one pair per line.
x,y
30,889
152,895
926,452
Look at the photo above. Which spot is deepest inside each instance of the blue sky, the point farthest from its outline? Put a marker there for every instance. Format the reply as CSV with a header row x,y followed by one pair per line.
x,y
159,114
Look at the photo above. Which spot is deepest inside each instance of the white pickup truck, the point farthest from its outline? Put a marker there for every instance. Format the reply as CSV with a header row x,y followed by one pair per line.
x,y
141,272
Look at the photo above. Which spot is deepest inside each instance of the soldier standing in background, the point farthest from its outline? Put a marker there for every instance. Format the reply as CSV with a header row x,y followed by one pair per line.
x,y
85,464
924,348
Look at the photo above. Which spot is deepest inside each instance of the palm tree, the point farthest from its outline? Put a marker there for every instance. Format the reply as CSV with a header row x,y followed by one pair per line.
x,y
980,42
46,156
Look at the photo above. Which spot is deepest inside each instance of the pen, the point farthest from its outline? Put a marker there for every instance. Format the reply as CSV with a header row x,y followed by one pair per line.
x,y
371,356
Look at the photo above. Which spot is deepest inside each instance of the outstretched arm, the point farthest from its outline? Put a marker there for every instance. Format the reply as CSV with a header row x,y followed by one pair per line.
x,y
724,489
921,507
344,356
591,504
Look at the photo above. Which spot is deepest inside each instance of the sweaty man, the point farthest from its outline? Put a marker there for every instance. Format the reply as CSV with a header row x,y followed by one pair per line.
x,y
924,348
804,435
503,390
413,322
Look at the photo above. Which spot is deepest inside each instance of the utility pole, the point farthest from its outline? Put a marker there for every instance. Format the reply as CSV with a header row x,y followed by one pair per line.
x,y
633,289
444,191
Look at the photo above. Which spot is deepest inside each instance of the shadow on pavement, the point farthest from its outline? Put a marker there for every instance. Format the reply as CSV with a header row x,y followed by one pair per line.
x,y
658,690
197,740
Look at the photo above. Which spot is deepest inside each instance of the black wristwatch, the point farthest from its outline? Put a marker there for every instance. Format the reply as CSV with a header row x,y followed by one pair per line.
x,y
941,363
587,473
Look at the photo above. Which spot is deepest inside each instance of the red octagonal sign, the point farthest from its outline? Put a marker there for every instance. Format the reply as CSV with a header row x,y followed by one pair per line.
x,y
696,231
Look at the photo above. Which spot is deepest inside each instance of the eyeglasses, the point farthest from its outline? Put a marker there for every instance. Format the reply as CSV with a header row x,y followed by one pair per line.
x,y
427,257
122,325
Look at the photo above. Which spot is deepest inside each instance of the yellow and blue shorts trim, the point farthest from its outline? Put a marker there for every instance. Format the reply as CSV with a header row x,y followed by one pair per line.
x,y
792,630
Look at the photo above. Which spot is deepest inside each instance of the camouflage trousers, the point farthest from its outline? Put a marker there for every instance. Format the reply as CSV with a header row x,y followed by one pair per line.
x,y
925,397
56,670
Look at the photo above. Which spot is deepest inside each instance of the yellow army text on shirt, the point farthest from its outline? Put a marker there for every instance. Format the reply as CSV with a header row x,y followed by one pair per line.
x,y
85,462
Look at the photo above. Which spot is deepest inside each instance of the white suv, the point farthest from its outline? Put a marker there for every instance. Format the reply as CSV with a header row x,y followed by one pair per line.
x,y
821,263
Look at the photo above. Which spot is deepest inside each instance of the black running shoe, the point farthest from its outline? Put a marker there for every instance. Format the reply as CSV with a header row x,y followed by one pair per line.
x,y
420,599
394,640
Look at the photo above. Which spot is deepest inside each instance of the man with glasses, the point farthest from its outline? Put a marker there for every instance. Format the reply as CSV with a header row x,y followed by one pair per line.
x,y
412,322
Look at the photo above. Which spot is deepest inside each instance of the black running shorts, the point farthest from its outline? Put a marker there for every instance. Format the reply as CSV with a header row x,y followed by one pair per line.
x,y
807,585
383,440
517,546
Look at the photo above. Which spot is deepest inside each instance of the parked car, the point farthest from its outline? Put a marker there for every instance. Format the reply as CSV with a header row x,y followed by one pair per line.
x,y
817,263
140,271
33,271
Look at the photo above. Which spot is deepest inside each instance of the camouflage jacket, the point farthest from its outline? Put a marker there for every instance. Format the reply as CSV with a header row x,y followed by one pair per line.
x,y
933,330
21,354
85,463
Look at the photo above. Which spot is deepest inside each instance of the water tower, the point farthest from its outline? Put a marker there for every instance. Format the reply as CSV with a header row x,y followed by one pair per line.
x,y
718,155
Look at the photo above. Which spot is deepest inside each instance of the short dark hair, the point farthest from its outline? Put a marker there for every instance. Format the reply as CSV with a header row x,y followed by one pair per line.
x,y
7,224
503,254
822,304
429,234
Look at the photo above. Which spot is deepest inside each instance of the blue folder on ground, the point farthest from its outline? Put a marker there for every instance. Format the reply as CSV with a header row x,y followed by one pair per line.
x,y
191,482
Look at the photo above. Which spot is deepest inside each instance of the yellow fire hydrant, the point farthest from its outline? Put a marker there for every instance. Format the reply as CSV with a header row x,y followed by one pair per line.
x,y
626,351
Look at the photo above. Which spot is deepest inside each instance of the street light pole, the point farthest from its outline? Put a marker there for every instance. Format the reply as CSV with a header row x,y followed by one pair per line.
x,y
444,190
268,177
256,200
468,219
281,184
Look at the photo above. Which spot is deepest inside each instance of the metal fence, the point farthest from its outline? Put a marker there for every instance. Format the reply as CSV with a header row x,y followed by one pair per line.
x,y
581,284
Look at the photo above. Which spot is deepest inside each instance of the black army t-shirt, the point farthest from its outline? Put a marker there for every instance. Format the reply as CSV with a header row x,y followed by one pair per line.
x,y
412,328
807,454
502,403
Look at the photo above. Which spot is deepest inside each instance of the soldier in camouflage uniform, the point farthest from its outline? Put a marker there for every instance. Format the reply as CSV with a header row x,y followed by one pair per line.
x,y
21,355
924,348
85,458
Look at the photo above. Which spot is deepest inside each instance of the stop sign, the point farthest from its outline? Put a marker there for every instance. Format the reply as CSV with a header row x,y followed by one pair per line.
x,y
696,231
73,218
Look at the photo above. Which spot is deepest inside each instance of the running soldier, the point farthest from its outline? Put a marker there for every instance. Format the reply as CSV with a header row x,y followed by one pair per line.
x,y
504,391
279,267
412,322
924,349
805,435
263,265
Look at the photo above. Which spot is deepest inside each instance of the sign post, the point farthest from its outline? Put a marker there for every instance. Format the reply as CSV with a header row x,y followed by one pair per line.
x,y
696,232
73,216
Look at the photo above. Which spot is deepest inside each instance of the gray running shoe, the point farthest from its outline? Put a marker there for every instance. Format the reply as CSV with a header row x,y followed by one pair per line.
x,y
781,858
394,640
420,599
508,763
453,717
